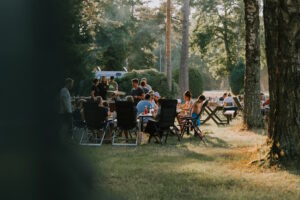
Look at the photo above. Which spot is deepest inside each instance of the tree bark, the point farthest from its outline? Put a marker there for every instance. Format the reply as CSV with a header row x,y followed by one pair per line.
x,y
184,60
282,33
168,46
252,113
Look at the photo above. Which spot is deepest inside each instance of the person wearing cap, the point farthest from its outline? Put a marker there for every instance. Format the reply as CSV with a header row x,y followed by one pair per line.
x,y
156,97
147,85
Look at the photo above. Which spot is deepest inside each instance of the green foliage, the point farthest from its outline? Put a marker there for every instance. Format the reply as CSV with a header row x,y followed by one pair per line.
x,y
203,39
76,64
218,34
196,81
237,78
157,80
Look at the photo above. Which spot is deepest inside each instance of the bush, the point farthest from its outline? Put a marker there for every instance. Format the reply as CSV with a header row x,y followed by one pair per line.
x,y
237,78
157,80
195,80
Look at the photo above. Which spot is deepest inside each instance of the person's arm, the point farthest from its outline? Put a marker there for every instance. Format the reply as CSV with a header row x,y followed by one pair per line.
x,y
93,95
66,100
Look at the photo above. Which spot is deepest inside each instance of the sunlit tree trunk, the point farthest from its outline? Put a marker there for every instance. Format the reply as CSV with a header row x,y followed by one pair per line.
x,y
282,33
184,60
229,64
252,113
168,46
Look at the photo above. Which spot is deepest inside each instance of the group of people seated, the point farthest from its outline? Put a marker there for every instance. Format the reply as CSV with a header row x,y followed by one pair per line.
x,y
142,96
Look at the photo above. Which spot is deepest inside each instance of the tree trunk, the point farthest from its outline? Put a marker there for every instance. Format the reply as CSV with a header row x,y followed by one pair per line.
x,y
252,113
168,45
184,60
282,33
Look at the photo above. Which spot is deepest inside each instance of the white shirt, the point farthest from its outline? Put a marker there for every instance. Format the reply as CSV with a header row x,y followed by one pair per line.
x,y
229,100
65,101
148,87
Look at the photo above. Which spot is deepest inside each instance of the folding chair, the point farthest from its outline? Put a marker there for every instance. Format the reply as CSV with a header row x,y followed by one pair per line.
x,y
190,123
126,121
79,126
96,123
167,118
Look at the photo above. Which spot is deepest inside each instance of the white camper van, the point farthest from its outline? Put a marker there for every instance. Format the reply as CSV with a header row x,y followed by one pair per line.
x,y
116,74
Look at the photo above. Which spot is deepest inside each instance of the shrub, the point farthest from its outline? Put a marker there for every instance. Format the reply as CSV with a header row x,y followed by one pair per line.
x,y
195,80
237,78
157,80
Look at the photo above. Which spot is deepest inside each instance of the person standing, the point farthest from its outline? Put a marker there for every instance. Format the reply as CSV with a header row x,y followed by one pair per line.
x,y
95,91
147,85
112,84
103,87
143,86
65,109
137,92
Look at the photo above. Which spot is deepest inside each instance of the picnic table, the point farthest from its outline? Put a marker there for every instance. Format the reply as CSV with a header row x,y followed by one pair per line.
x,y
212,110
142,116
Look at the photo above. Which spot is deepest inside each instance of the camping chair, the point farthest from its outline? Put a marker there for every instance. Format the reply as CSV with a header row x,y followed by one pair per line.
x,y
190,123
126,121
238,103
167,119
96,123
79,125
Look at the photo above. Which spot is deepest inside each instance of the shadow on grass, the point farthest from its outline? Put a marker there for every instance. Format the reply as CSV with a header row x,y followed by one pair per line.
x,y
293,168
208,141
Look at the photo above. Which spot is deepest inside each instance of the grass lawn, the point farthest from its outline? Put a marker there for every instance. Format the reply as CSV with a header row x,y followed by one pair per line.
x,y
193,170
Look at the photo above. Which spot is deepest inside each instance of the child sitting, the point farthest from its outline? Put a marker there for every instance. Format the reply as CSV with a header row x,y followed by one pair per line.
x,y
197,106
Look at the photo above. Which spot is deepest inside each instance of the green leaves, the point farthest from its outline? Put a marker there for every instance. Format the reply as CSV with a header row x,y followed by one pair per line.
x,y
237,78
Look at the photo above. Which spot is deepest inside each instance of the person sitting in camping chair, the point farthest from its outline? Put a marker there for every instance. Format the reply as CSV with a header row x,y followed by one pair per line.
x,y
153,125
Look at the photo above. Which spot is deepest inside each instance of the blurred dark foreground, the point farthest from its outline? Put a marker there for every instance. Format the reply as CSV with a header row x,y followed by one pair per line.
x,y
35,164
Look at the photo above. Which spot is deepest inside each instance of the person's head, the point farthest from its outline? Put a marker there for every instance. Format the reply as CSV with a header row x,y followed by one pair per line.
x,y
262,96
143,84
95,81
229,94
151,92
224,95
144,80
69,83
156,96
147,97
129,99
201,98
135,82
112,78
187,95
105,104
